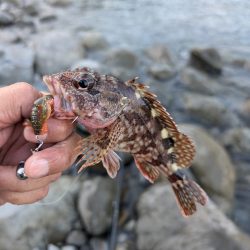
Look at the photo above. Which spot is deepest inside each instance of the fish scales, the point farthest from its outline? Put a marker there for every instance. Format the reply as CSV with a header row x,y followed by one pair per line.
x,y
126,116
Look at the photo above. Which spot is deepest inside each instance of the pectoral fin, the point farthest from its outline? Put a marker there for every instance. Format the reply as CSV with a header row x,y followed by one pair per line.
x,y
99,147
111,162
92,153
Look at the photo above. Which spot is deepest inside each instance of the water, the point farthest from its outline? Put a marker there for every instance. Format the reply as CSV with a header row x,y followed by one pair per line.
x,y
180,24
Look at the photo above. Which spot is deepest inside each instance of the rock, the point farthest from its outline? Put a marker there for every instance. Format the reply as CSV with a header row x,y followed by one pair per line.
x,y
246,107
126,158
87,63
85,247
207,60
46,221
246,64
95,204
205,108
212,166
11,3
125,246
239,82
237,140
242,197
16,64
47,14
121,63
77,238
6,18
123,74
130,225
52,247
160,54
7,36
68,247
245,110
195,81
125,242
122,237
98,244
61,3
236,57
94,41
226,206
160,225
66,51
123,58
209,110
31,7
78,226
133,185
161,71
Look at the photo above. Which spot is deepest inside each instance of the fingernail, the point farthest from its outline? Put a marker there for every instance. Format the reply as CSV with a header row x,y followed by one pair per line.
x,y
39,168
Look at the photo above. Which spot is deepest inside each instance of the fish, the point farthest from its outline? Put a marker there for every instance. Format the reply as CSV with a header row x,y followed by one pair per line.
x,y
125,116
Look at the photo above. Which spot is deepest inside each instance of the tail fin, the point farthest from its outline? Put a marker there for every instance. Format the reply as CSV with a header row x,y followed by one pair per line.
x,y
187,193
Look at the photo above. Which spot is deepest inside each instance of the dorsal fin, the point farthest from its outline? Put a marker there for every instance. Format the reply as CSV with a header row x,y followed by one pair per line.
x,y
182,151
157,110
162,115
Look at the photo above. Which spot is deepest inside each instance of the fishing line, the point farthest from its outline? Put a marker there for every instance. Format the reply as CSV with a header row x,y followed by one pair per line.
x,y
75,166
116,209
65,192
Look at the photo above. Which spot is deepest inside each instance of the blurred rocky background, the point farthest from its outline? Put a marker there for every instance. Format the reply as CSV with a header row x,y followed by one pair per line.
x,y
195,56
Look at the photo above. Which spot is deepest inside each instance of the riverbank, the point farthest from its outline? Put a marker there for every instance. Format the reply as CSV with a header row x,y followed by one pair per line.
x,y
205,88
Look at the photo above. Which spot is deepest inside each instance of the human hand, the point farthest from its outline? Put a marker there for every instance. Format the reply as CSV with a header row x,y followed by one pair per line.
x,y
16,142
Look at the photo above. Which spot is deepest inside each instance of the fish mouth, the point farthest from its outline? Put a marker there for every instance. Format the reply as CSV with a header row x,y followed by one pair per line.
x,y
63,106
66,108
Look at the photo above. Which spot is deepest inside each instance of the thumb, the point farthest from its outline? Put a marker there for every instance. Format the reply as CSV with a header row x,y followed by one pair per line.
x,y
16,102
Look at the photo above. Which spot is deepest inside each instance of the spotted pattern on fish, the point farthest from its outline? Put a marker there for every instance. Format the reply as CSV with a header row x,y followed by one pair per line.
x,y
126,116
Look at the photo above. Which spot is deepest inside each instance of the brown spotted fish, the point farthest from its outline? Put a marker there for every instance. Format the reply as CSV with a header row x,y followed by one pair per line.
x,y
126,116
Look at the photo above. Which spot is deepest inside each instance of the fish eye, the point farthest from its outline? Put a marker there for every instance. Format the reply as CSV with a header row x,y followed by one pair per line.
x,y
83,83
87,81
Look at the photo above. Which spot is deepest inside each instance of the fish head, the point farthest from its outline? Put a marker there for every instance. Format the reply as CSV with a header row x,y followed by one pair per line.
x,y
95,99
